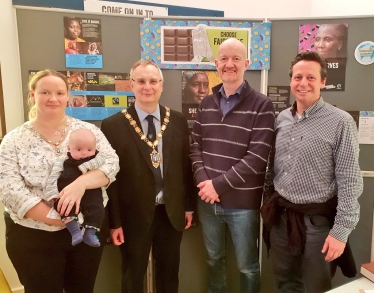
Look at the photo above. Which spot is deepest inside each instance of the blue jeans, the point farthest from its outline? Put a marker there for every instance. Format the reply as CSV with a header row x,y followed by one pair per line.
x,y
244,228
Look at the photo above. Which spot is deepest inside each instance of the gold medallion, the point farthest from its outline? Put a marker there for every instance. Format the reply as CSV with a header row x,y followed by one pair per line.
x,y
155,158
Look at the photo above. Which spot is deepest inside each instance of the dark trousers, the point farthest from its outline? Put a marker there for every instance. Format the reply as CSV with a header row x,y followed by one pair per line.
x,y
307,272
165,242
46,262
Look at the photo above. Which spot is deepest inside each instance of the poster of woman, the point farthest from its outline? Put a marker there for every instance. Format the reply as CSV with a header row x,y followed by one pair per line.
x,y
196,85
330,41
82,39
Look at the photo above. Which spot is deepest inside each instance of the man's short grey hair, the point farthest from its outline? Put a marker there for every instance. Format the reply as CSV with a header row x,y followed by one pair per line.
x,y
143,62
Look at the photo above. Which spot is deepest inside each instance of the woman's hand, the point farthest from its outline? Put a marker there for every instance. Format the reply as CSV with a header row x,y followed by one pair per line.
x,y
73,193
40,212
70,195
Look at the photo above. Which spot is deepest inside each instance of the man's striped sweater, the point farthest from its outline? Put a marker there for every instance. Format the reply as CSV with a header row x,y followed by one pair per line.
x,y
233,150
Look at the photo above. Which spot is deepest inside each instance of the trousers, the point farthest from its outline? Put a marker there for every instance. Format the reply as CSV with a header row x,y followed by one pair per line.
x,y
299,273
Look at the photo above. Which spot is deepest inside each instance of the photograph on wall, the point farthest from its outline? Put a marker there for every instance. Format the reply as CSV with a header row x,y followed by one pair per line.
x,y
103,81
193,44
196,85
77,101
96,95
329,41
76,80
82,43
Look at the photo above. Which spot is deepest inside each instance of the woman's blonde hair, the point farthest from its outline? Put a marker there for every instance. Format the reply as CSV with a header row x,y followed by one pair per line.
x,y
32,85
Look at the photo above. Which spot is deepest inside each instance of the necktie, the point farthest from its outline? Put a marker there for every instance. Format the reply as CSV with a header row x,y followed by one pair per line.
x,y
151,135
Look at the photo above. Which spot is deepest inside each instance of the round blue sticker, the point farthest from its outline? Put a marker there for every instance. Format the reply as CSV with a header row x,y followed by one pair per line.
x,y
364,53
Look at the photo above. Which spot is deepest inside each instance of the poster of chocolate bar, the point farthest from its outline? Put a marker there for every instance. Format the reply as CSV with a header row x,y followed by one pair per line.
x,y
192,44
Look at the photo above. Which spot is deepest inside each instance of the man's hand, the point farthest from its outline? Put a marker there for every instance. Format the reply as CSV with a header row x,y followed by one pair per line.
x,y
334,248
188,217
207,192
117,236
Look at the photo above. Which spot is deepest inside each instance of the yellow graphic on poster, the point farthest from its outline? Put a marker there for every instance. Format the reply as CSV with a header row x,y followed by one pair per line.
x,y
115,101
217,35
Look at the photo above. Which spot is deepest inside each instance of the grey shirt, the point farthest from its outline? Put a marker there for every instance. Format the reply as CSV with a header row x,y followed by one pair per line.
x,y
316,158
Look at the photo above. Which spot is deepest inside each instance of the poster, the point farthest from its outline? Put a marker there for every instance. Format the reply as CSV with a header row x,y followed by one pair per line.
x,y
196,85
96,95
193,44
329,41
125,8
280,97
366,127
82,43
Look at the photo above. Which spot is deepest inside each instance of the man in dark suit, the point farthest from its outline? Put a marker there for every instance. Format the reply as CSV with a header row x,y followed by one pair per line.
x,y
152,199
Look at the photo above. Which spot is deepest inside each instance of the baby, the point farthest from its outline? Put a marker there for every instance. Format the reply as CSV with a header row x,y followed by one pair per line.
x,y
81,157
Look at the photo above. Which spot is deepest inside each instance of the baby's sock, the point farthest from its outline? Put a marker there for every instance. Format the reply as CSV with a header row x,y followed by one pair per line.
x,y
75,231
90,238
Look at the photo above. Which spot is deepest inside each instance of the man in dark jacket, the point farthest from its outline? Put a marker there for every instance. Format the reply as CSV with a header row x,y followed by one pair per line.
x,y
149,203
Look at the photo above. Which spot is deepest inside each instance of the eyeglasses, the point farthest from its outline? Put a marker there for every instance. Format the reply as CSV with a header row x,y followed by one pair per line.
x,y
142,82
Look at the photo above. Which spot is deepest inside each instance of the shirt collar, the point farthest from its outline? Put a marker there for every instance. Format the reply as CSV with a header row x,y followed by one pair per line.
x,y
311,110
142,115
238,90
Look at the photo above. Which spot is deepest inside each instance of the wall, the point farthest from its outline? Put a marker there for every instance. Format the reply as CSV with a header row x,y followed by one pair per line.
x,y
9,59
10,68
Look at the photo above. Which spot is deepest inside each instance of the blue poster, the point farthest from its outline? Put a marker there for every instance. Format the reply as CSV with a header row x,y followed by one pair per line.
x,y
96,95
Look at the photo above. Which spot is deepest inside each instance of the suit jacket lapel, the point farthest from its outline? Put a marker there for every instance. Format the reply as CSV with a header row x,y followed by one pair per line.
x,y
145,150
166,140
